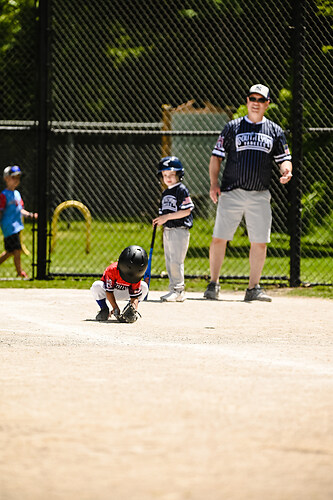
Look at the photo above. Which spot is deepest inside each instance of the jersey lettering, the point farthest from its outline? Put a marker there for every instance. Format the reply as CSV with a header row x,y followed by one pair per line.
x,y
169,203
252,140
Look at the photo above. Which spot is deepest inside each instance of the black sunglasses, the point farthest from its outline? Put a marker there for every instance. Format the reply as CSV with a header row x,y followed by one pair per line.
x,y
260,99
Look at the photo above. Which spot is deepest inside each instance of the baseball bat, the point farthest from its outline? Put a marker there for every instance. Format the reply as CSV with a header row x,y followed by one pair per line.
x,y
147,274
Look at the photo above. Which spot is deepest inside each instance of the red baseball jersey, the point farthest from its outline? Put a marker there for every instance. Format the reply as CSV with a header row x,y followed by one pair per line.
x,y
112,280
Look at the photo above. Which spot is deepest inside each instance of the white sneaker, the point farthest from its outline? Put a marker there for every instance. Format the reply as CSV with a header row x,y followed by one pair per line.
x,y
169,297
180,296
173,297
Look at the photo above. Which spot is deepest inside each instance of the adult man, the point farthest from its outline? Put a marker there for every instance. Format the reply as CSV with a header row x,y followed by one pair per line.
x,y
251,143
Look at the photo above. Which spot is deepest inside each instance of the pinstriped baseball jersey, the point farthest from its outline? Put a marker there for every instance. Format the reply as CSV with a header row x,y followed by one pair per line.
x,y
250,149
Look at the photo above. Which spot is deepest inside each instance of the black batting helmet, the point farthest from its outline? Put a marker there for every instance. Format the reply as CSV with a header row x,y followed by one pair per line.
x,y
132,263
171,163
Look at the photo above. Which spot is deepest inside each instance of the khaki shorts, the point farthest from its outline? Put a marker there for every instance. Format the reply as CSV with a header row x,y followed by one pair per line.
x,y
256,208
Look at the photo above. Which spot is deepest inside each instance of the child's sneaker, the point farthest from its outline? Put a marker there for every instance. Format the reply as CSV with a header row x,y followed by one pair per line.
x,y
169,297
180,296
103,314
173,297
23,274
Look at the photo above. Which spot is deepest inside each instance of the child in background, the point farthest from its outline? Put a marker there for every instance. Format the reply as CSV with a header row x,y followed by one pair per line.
x,y
121,281
11,212
175,214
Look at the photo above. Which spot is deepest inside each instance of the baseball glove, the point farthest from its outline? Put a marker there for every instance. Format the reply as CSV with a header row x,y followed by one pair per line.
x,y
129,314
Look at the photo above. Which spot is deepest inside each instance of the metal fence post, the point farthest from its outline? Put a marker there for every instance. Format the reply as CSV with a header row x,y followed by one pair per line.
x,y
42,157
298,40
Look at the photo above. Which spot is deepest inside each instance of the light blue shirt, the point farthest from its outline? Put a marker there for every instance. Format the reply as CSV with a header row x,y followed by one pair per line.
x,y
11,205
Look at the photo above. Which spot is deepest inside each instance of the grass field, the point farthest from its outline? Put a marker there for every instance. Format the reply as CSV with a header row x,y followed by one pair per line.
x,y
106,241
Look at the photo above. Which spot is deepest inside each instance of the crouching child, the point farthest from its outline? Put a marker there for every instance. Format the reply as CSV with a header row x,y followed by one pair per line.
x,y
122,280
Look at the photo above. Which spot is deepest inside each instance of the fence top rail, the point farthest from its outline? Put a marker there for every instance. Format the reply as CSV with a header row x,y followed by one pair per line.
x,y
70,124
105,125
138,128
136,132
319,129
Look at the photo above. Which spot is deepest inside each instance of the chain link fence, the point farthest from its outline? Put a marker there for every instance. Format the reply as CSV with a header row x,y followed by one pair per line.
x,y
129,82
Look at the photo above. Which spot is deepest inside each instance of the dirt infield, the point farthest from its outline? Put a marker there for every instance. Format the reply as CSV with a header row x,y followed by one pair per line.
x,y
195,401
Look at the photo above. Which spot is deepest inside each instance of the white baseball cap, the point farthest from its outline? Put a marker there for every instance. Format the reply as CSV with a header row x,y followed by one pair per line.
x,y
260,89
12,171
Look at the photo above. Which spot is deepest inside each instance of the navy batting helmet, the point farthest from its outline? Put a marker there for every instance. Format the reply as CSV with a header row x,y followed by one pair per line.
x,y
132,263
171,163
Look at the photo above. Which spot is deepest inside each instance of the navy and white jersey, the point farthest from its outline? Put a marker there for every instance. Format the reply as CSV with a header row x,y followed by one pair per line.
x,y
174,198
250,149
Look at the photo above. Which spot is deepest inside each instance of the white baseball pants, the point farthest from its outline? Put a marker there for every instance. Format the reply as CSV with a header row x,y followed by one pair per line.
x,y
99,293
176,241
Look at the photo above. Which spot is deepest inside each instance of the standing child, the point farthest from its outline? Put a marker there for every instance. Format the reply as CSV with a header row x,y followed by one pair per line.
x,y
122,281
175,214
11,212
